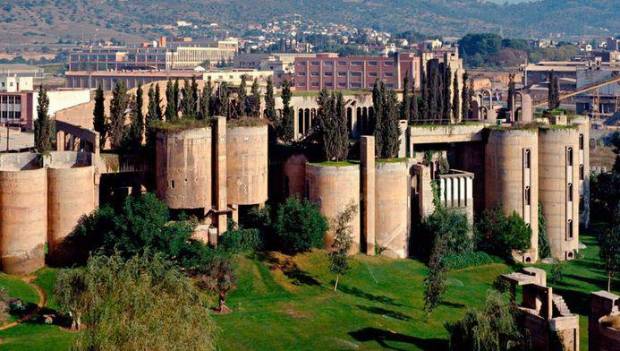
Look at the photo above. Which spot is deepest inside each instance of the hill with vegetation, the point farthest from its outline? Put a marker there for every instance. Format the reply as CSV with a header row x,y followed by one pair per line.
x,y
49,21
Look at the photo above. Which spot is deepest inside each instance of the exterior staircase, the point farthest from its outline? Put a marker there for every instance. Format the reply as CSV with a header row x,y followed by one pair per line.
x,y
560,306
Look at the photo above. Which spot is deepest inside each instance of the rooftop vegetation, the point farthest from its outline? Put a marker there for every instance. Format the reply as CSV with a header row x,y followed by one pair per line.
x,y
182,124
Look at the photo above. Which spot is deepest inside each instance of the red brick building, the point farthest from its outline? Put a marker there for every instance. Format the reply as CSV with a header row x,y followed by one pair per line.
x,y
330,71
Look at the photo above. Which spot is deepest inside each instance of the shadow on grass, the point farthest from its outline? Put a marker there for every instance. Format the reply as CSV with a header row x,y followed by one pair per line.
x,y
385,337
452,304
385,312
364,295
300,277
288,267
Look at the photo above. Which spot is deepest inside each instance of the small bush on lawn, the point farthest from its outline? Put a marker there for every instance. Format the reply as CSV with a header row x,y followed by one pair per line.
x,y
499,235
241,240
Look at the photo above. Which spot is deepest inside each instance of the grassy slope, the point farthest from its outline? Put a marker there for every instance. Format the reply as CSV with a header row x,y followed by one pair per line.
x,y
19,289
378,305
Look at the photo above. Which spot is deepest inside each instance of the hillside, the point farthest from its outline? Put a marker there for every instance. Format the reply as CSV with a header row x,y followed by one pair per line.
x,y
46,21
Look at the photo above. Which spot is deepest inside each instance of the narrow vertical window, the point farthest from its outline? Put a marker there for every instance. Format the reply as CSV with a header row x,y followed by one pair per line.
x,y
570,228
581,142
527,197
528,159
582,174
570,156
570,192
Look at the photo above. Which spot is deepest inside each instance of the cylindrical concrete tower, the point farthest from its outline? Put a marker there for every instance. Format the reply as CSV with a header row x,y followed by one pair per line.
x,y
23,213
70,195
247,164
333,188
511,177
183,168
295,175
559,188
392,208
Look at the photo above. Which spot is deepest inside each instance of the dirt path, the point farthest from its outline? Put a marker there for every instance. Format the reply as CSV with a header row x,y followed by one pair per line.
x,y
42,301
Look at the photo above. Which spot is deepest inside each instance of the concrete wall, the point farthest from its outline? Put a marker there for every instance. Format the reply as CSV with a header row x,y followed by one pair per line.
x,y
559,188
247,165
183,168
71,194
392,208
509,175
603,305
333,188
583,125
295,175
23,214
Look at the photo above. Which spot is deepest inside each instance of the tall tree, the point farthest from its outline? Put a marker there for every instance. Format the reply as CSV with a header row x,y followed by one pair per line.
x,y
151,117
287,125
219,278
242,97
390,129
446,85
158,112
414,113
99,116
270,103
171,106
405,105
205,100
223,104
343,240
195,97
511,92
466,97
554,91
435,281
375,128
456,100
118,109
254,106
43,126
136,130
176,97
333,126
610,253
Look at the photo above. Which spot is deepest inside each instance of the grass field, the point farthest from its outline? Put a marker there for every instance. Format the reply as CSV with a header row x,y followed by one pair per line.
x,y
285,304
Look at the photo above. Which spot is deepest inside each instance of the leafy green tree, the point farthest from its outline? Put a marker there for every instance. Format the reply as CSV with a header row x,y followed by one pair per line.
x,y
223,101
339,253
287,124
71,292
299,226
43,126
219,278
127,303
435,281
414,114
446,83
501,235
449,226
494,328
544,250
176,97
242,97
153,114
609,242
378,91
99,116
118,111
390,128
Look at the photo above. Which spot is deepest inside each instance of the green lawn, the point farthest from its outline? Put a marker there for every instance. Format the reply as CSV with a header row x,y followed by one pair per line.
x,y
15,287
378,304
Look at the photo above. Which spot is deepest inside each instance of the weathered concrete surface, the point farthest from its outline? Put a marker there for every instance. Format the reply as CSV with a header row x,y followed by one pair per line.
x,y
247,165
392,208
295,175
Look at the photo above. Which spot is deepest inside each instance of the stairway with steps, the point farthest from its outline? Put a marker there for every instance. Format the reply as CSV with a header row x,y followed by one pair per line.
x,y
560,306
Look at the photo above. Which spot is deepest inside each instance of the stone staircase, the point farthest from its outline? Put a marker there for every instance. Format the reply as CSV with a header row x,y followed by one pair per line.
x,y
560,306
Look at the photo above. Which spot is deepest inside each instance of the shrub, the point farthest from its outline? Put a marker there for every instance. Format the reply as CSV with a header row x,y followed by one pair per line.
x,y
299,226
238,240
499,235
452,226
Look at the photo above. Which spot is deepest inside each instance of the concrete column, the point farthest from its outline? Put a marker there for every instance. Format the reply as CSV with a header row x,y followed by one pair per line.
x,y
219,178
367,158
60,141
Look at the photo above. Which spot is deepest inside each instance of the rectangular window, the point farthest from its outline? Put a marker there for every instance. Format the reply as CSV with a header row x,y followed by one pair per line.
x,y
528,158
342,74
569,195
527,196
356,74
569,156
569,229
581,141
582,175
372,74
372,63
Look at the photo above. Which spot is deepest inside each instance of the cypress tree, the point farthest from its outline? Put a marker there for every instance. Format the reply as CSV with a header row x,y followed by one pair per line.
x,y
511,92
466,97
151,117
554,91
242,96
195,97
223,103
390,130
414,113
405,106
270,103
43,126
254,108
158,112
99,116
205,101
456,100
176,97
332,122
171,106
378,93
118,107
137,121
287,127
446,85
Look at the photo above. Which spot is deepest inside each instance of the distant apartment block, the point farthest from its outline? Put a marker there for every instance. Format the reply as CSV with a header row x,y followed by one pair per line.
x,y
329,71
159,55
108,79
